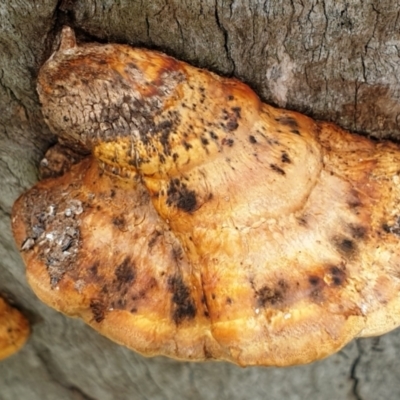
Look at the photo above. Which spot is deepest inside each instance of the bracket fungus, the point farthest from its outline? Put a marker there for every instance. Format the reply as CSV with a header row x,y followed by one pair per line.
x,y
14,329
206,224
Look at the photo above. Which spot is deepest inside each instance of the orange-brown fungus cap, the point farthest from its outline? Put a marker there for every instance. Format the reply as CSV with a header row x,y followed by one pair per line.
x,y
206,224
14,329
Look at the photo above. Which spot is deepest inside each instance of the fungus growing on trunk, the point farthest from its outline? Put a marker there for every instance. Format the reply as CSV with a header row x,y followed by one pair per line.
x,y
206,224
14,329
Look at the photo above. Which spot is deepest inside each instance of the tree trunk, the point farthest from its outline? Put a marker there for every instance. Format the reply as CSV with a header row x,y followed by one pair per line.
x,y
335,60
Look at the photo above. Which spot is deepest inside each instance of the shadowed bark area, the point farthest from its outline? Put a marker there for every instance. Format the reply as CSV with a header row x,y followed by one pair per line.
x,y
333,60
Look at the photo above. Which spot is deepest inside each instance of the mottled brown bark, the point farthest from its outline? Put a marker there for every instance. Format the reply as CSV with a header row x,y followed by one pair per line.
x,y
333,60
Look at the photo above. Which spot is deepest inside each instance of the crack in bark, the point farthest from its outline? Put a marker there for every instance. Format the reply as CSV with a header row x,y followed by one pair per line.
x,y
147,27
357,87
288,29
373,29
180,30
54,373
266,7
5,212
324,35
12,96
80,393
151,378
364,69
353,373
224,32
4,131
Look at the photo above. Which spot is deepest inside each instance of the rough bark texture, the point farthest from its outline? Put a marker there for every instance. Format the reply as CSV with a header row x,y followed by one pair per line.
x,y
333,60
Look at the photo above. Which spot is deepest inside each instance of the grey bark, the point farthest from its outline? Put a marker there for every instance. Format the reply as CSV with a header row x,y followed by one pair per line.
x,y
333,60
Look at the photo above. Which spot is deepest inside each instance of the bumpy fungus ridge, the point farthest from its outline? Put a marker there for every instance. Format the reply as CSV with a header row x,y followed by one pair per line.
x,y
207,225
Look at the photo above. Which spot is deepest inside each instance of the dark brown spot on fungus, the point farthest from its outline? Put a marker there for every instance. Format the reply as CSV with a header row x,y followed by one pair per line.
x,y
386,228
285,158
267,296
119,222
98,310
358,231
213,136
288,121
316,288
277,169
232,125
302,220
345,245
184,306
177,253
252,139
236,111
94,269
338,275
228,142
125,273
181,197
104,289
153,239
204,141
186,145
314,280
394,228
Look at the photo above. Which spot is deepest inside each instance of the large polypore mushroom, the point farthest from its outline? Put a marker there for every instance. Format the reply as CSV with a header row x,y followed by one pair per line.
x,y
206,224
14,329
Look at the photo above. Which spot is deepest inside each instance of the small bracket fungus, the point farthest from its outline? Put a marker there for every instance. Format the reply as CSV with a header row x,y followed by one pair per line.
x,y
206,224
14,329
